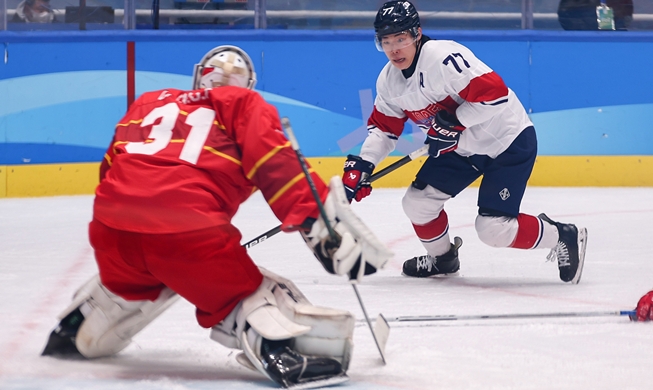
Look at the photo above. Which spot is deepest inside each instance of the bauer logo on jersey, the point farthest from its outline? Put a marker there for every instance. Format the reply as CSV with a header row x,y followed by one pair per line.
x,y
504,194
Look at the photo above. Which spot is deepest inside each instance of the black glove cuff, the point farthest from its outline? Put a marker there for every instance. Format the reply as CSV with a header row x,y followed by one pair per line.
x,y
446,120
356,163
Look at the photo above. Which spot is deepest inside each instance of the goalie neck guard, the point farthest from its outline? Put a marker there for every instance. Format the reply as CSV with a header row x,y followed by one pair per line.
x,y
224,65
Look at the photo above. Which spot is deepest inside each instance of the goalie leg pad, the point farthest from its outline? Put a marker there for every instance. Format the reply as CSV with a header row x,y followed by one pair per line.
x,y
278,311
111,321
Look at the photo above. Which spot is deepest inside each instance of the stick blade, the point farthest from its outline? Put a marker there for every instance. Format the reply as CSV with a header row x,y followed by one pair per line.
x,y
382,332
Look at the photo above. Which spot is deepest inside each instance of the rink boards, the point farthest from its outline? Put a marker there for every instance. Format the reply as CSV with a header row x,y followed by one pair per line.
x,y
587,94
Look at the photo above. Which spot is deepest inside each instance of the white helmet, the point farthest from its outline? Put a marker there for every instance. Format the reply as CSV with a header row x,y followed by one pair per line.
x,y
224,65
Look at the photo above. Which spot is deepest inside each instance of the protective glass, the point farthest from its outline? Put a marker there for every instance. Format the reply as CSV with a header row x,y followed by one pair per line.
x,y
393,42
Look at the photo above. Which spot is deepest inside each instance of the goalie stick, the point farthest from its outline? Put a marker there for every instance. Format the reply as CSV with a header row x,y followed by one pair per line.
x,y
376,176
381,326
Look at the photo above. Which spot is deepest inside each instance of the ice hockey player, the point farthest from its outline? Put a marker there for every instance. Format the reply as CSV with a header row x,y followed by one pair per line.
x,y
644,310
475,126
178,167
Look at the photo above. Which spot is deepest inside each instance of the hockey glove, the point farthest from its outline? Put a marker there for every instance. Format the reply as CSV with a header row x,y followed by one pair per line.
x,y
356,251
356,178
443,136
644,310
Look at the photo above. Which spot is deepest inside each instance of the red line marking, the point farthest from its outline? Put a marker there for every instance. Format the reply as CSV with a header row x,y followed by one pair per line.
x,y
44,308
131,73
397,263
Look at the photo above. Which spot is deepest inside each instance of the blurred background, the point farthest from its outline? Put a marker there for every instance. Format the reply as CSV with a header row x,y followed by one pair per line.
x,y
71,68
318,14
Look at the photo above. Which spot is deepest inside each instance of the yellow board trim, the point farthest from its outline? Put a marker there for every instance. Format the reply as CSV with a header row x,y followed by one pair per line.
x,y
51,179
3,181
549,171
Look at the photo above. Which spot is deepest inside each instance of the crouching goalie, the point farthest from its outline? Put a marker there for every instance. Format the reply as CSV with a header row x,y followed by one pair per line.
x,y
179,166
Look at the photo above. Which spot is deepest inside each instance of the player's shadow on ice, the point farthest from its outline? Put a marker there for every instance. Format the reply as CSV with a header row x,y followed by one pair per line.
x,y
460,280
155,366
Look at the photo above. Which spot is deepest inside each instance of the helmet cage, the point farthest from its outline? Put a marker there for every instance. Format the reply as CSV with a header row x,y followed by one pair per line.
x,y
210,60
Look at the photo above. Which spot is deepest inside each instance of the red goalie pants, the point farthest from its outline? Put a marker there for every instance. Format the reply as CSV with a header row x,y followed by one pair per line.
x,y
208,267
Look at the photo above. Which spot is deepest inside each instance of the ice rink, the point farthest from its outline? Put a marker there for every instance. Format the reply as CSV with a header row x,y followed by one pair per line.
x,y
45,256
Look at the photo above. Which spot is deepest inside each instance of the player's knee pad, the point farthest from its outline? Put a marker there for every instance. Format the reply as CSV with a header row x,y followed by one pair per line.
x,y
496,231
109,320
423,205
279,311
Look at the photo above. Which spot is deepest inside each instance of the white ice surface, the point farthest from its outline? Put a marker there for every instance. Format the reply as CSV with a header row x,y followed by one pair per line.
x,y
45,256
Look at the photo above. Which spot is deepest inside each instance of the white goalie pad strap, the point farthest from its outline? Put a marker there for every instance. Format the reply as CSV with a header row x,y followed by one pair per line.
x,y
261,311
111,321
225,332
251,347
81,295
279,306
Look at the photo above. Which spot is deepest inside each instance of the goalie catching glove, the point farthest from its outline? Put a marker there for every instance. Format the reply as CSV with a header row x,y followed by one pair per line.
x,y
356,251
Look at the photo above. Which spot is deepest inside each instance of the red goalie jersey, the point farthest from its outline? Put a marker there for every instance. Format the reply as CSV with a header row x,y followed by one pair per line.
x,y
185,160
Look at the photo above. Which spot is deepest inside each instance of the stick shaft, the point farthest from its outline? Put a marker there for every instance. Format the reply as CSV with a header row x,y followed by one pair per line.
x,y
302,161
262,237
285,122
510,316
376,176
400,163
369,324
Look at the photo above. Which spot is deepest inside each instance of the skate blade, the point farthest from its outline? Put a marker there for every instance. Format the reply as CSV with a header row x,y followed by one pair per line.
x,y
320,383
582,245
436,276
445,276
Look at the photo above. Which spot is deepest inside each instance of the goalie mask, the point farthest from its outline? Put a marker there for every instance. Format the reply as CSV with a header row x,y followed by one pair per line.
x,y
224,65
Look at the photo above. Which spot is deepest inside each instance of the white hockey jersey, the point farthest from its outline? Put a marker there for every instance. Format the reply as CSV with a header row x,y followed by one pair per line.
x,y
447,76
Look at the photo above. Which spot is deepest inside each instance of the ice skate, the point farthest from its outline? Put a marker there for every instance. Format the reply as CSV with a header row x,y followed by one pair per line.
x,y
293,370
570,251
425,266
62,339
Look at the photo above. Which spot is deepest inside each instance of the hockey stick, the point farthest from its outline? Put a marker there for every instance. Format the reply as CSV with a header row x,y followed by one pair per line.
x,y
262,237
511,316
384,330
400,163
397,164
